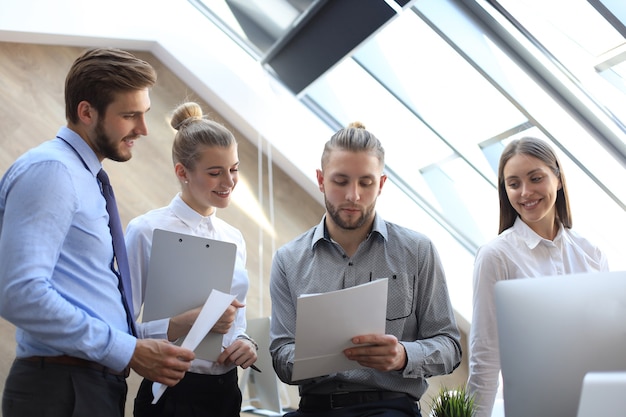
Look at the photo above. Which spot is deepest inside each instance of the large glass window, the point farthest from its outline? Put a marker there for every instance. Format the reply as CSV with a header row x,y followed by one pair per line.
x,y
580,39
446,84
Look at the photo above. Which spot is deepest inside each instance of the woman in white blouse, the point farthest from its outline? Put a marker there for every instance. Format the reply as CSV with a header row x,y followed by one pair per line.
x,y
535,239
206,163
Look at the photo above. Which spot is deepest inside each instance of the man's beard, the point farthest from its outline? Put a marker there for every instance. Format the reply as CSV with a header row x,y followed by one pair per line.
x,y
354,224
107,147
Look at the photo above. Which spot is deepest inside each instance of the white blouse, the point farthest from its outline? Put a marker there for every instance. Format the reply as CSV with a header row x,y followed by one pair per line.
x,y
518,252
179,217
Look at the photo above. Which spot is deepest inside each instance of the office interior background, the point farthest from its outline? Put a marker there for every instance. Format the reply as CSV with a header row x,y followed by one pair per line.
x,y
444,84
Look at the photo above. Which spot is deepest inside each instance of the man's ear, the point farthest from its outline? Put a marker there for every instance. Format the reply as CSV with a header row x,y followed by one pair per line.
x,y
383,179
86,113
320,179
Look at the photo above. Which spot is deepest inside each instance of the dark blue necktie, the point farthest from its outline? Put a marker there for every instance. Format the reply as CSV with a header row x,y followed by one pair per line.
x,y
119,250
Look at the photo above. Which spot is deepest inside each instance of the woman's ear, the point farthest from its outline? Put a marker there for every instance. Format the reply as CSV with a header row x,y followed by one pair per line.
x,y
181,173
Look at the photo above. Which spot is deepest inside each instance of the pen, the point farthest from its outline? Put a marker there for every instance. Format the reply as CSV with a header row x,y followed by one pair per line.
x,y
253,366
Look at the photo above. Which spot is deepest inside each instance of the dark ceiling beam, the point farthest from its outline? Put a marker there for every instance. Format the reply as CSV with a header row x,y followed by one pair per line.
x,y
323,37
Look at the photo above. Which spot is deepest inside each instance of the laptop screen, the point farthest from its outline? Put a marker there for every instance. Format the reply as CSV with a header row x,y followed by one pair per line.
x,y
553,331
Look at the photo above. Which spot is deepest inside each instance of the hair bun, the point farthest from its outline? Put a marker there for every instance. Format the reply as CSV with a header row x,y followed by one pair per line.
x,y
185,114
356,125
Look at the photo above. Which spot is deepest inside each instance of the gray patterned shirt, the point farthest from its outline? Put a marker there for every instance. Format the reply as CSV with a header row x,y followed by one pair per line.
x,y
419,312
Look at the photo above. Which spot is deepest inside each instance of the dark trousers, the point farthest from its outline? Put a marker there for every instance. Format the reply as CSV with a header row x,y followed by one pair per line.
x,y
194,395
36,390
397,407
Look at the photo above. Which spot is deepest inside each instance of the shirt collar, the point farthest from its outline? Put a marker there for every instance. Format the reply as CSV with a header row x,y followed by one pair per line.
x,y
84,151
380,227
530,237
321,232
187,215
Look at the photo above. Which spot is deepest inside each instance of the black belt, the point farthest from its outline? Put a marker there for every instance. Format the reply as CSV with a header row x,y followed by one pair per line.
x,y
77,362
321,402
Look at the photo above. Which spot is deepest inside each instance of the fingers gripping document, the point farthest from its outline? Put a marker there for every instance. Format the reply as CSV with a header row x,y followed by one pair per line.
x,y
326,323
214,307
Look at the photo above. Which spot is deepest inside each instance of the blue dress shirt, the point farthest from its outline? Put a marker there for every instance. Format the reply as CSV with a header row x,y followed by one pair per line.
x,y
56,285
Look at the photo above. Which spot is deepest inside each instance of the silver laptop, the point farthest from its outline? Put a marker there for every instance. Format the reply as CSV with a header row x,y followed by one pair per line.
x,y
603,394
552,332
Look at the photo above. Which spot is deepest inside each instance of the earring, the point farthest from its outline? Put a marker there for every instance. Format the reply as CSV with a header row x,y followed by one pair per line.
x,y
186,182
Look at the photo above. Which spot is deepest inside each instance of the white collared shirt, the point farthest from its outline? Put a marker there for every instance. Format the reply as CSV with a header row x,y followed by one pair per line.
x,y
179,217
518,252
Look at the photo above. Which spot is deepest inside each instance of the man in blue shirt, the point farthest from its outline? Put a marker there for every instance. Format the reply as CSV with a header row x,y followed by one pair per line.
x,y
74,344
353,245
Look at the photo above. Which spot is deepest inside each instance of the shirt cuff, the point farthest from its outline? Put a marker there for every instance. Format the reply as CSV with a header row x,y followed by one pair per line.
x,y
155,329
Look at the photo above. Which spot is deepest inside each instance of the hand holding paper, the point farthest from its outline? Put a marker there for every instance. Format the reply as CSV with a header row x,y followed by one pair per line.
x,y
326,324
213,308
378,351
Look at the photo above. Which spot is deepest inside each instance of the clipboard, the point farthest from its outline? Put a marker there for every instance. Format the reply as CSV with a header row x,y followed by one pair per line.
x,y
183,270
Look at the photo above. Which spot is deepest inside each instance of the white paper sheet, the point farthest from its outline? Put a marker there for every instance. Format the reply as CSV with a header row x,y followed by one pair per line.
x,y
215,305
327,322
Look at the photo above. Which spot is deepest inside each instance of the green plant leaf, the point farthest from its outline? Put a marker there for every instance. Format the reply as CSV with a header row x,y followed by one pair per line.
x,y
453,403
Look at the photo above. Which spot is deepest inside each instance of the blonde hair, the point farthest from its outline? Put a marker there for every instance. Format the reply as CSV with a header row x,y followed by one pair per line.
x,y
193,131
354,138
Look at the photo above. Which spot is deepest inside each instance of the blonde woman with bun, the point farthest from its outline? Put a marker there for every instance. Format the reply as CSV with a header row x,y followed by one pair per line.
x,y
206,164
